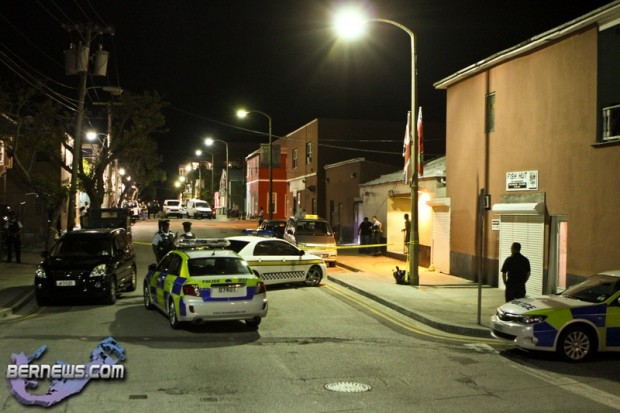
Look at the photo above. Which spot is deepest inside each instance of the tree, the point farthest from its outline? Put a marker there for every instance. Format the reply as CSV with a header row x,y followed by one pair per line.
x,y
134,123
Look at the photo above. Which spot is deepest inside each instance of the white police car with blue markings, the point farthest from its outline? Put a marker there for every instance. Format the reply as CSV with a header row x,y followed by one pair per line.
x,y
277,261
200,281
576,323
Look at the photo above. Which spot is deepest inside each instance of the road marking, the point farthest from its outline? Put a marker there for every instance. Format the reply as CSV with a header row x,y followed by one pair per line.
x,y
573,386
406,325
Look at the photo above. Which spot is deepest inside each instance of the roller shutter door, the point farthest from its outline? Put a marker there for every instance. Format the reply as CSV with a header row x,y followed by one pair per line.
x,y
529,230
440,251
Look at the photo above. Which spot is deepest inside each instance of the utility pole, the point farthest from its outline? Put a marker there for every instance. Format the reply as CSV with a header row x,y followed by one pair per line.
x,y
76,62
114,91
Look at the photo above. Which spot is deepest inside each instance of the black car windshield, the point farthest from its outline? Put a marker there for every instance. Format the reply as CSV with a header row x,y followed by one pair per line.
x,y
595,289
82,247
217,266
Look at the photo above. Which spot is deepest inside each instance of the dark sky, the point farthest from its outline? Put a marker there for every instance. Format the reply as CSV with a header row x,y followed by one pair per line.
x,y
209,57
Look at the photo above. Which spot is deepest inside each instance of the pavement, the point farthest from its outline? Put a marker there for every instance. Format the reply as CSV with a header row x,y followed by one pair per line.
x,y
442,301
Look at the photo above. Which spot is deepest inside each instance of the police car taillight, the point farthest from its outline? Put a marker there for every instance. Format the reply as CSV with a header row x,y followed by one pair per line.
x,y
261,288
191,289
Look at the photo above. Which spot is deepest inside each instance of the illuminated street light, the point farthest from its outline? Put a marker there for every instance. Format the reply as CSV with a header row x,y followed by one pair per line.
x,y
349,23
242,113
209,142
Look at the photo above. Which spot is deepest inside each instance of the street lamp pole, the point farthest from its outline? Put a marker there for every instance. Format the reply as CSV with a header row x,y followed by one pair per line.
x,y
209,142
199,153
347,22
242,114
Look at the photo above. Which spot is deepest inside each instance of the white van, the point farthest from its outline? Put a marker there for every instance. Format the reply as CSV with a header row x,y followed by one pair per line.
x,y
172,207
197,208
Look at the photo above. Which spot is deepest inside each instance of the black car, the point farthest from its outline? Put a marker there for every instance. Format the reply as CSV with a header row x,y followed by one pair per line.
x,y
276,226
85,264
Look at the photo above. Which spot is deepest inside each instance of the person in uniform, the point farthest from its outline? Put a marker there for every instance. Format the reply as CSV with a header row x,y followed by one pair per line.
x,y
187,231
163,240
13,228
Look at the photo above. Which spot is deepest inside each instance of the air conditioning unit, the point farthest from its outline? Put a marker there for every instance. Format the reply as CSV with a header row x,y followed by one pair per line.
x,y
611,123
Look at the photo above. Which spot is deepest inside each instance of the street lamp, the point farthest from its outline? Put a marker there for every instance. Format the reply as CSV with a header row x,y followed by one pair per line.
x,y
241,113
350,23
199,153
209,142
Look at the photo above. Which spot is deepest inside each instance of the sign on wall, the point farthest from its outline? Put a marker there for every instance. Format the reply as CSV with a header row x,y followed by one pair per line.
x,y
522,181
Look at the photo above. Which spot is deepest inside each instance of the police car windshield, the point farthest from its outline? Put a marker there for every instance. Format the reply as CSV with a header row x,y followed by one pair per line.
x,y
595,289
217,266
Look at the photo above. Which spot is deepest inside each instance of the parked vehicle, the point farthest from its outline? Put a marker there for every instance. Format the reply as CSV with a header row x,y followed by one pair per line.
x,y
277,261
86,264
275,227
197,208
577,323
173,207
199,281
313,235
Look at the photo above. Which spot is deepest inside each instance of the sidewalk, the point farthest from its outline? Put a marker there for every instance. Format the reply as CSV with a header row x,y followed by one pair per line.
x,y
442,301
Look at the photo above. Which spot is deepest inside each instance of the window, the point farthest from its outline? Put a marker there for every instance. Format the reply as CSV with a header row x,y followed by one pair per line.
x,y
608,85
308,152
294,158
490,112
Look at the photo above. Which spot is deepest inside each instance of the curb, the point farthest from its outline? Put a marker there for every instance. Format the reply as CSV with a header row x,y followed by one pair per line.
x,y
17,303
423,318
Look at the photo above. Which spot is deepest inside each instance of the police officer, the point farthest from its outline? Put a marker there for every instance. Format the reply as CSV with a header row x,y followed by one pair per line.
x,y
187,231
163,240
13,228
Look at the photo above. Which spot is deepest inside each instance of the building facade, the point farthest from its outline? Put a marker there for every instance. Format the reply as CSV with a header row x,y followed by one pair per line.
x,y
532,155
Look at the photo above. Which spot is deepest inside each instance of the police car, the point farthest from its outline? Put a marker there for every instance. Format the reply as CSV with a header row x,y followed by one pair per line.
x,y
277,261
583,319
200,281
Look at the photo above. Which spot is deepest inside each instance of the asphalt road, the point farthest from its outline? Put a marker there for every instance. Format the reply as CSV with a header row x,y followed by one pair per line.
x,y
320,349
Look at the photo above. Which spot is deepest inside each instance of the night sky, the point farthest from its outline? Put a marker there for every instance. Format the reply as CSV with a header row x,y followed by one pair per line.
x,y
210,57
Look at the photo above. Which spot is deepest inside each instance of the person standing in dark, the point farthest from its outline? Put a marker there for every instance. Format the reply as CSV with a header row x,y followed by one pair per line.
x,y
377,232
261,216
365,233
187,231
407,231
13,228
515,273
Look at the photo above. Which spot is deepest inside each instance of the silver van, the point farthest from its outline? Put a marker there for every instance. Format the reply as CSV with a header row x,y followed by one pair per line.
x,y
197,208
313,235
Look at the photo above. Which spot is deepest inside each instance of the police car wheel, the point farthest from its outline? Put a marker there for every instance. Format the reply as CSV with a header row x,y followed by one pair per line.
x,y
172,315
112,291
576,344
253,322
313,277
147,298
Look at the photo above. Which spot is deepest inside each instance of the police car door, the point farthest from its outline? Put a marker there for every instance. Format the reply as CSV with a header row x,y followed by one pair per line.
x,y
613,323
273,262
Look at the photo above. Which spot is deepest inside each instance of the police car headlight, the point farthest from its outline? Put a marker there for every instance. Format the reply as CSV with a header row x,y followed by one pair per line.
x,y
40,273
531,319
98,271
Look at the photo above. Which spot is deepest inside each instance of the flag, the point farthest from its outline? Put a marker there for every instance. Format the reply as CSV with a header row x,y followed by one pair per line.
x,y
407,150
420,144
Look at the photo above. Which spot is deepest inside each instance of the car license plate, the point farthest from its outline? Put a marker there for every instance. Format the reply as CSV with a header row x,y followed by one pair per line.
x,y
228,290
65,283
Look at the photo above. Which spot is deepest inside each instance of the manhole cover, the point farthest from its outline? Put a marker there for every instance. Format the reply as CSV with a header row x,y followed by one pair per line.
x,y
347,387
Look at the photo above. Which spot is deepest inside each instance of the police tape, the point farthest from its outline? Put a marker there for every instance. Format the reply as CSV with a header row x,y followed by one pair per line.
x,y
322,247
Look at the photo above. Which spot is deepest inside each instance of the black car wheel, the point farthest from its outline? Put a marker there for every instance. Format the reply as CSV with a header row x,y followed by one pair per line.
x,y
112,291
133,280
41,301
147,297
172,315
576,344
314,276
